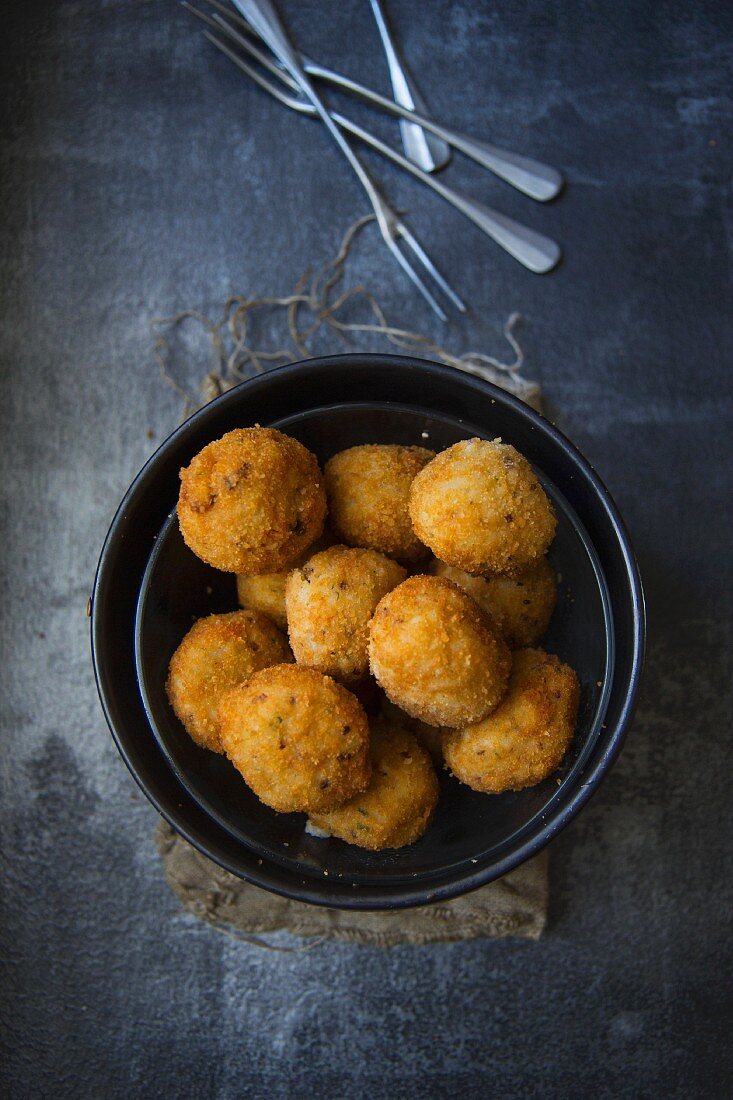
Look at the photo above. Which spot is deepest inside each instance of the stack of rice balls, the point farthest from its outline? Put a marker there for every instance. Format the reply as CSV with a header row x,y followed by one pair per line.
x,y
401,638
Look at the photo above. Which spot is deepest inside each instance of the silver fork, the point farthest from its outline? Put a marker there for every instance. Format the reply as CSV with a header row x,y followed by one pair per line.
x,y
421,147
531,177
536,252
264,18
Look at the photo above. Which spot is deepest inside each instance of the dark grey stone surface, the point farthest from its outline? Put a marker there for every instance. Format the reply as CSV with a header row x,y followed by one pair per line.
x,y
140,175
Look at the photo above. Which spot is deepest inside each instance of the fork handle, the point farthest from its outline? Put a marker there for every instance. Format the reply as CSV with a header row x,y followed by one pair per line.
x,y
425,149
529,176
263,16
526,174
535,251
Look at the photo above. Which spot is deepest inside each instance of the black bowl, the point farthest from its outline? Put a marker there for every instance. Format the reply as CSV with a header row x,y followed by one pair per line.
x,y
150,587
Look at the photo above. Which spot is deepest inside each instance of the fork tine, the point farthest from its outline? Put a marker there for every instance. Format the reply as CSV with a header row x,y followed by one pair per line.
x,y
221,25
414,277
290,101
278,92
266,60
199,14
428,264
401,232
235,17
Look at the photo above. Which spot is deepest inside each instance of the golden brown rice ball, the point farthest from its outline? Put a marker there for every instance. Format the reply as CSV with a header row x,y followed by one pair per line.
x,y
528,734
436,654
299,739
330,602
252,501
430,737
219,652
480,507
266,591
521,606
398,804
368,489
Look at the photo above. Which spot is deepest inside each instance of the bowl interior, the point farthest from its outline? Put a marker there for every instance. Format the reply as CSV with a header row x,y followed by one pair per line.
x,y
178,588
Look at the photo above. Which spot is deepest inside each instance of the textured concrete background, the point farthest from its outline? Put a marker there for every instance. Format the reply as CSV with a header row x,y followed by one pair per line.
x,y
140,175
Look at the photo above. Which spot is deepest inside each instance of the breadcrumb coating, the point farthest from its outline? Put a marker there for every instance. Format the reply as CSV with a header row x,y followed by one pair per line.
x,y
436,654
266,591
219,652
521,606
430,737
252,501
527,736
447,641
399,802
330,602
368,489
479,506
299,739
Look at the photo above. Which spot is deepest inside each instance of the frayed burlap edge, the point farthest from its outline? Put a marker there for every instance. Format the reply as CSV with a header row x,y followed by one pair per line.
x,y
515,905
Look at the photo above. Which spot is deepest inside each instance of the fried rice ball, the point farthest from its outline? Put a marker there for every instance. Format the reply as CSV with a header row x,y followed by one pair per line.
x,y
299,739
398,804
528,734
218,652
521,606
480,507
330,601
368,489
436,654
252,501
429,737
266,591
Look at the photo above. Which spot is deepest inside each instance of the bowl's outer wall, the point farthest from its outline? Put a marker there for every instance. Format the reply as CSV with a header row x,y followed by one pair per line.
x,y
281,393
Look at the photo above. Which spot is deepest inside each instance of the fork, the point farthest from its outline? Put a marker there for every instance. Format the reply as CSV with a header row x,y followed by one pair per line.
x,y
535,251
266,21
529,176
421,147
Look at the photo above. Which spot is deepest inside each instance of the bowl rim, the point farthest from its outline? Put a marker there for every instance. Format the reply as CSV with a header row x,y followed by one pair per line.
x,y
324,894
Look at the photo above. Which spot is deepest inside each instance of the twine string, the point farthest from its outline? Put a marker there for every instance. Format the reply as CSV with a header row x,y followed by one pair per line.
x,y
314,306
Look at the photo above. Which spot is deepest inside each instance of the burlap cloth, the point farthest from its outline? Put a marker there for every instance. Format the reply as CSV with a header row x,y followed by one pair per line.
x,y
515,905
